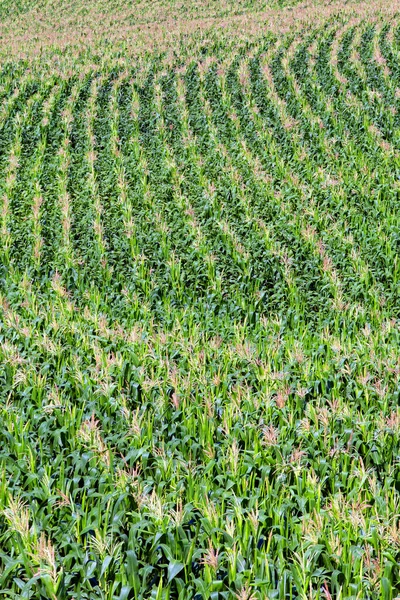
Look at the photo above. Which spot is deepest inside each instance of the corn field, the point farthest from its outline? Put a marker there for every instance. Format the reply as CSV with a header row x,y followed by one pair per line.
x,y
200,301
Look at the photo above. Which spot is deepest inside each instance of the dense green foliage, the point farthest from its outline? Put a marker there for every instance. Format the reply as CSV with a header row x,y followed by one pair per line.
x,y
199,321
147,11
